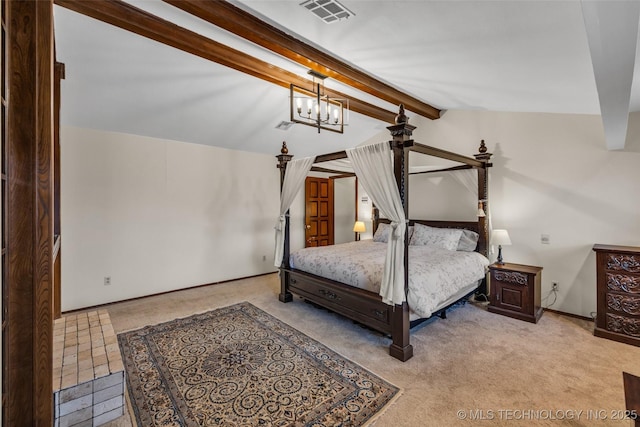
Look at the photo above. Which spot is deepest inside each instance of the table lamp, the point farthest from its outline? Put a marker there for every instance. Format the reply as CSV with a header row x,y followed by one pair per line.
x,y
500,237
358,228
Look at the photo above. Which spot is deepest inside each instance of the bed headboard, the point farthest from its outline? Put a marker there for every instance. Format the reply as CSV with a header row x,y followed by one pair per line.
x,y
467,225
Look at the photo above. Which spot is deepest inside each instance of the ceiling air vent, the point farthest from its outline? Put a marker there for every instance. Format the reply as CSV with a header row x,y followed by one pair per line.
x,y
327,10
284,125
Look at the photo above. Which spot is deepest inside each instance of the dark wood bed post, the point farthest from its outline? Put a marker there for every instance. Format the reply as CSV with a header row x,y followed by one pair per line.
x,y
375,218
401,347
285,296
483,197
483,200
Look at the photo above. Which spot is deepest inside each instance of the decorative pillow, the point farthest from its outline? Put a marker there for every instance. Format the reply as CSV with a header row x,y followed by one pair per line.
x,y
443,238
382,233
468,241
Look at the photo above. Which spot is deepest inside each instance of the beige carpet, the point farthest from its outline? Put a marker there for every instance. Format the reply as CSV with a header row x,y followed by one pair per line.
x,y
485,365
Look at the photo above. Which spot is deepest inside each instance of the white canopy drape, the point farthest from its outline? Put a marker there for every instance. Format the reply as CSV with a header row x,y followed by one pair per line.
x,y
294,178
469,178
373,165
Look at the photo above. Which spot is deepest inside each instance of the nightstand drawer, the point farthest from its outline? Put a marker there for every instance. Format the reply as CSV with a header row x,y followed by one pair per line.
x,y
510,277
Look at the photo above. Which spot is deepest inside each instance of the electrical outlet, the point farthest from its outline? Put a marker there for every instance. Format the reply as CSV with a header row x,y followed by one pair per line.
x,y
107,280
554,286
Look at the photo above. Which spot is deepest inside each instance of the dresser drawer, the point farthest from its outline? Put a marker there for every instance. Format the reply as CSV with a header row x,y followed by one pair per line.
x,y
623,325
627,283
623,262
624,304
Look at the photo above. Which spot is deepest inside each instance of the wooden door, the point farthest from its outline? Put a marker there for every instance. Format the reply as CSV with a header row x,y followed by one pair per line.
x,y
318,212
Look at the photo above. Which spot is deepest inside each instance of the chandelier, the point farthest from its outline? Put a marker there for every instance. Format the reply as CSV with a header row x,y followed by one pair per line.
x,y
314,108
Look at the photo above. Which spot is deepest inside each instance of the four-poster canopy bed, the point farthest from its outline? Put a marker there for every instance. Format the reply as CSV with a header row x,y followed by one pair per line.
x,y
389,313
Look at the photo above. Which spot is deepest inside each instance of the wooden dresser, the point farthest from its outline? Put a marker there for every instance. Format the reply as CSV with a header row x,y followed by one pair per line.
x,y
618,275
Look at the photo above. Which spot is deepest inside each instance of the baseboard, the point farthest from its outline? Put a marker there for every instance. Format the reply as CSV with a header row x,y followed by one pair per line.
x,y
575,316
91,307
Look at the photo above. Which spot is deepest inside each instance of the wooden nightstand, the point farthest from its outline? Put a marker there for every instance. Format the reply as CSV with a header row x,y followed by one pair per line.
x,y
515,291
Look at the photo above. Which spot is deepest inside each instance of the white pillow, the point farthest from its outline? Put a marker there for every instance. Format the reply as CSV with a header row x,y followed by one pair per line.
x,y
382,233
468,241
443,238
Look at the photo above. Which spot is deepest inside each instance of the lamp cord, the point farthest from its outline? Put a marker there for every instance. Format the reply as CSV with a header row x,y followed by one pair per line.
x,y
555,297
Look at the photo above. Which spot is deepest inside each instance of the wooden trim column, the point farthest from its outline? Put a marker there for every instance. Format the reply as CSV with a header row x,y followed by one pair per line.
x,y
29,219
43,218
4,98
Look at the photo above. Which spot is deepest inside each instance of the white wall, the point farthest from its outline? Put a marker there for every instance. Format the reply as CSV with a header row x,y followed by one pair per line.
x,y
344,194
365,213
552,175
159,215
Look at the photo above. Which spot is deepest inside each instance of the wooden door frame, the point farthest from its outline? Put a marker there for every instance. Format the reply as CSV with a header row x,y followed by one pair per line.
x,y
59,75
30,116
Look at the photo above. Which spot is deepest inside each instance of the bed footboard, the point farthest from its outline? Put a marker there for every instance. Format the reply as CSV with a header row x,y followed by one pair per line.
x,y
356,304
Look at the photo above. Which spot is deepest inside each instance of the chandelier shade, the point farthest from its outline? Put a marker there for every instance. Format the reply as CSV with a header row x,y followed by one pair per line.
x,y
314,108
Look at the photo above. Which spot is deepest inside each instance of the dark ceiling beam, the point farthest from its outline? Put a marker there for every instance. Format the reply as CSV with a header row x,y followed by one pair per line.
x,y
241,23
138,21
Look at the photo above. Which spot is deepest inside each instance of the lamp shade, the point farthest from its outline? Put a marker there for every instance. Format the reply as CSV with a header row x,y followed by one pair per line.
x,y
500,237
359,227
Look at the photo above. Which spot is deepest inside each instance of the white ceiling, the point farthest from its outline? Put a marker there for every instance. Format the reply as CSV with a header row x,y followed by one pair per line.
x,y
524,56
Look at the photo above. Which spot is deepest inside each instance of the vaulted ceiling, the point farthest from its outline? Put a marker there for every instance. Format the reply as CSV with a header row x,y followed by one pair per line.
x,y
523,56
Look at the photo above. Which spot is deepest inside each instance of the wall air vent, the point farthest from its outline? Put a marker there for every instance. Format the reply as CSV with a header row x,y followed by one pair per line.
x,y
327,10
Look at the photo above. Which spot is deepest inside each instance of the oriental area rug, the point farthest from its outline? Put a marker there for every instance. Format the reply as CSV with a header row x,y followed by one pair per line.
x,y
239,366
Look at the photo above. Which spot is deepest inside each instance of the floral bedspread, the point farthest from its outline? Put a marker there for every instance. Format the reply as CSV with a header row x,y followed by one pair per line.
x,y
434,274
